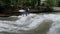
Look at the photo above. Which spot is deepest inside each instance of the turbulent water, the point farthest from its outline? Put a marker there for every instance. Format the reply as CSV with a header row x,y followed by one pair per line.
x,y
30,24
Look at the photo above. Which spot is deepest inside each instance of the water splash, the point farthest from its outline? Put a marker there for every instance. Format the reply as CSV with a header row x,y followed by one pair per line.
x,y
30,24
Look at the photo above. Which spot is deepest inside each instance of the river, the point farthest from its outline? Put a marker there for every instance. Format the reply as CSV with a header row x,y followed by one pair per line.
x,y
31,24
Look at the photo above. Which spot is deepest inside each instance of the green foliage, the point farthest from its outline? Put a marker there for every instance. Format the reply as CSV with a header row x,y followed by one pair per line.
x,y
51,3
17,2
4,2
33,2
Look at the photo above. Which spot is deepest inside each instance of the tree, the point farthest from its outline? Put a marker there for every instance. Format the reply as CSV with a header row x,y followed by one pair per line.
x,y
39,2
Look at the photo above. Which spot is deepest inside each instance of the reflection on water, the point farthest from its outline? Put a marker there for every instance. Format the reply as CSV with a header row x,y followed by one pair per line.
x,y
30,24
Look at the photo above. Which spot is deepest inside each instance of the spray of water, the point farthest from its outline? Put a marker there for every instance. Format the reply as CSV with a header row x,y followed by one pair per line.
x,y
30,24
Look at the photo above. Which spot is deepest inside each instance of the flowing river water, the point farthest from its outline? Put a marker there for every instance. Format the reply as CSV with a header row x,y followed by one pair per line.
x,y
31,24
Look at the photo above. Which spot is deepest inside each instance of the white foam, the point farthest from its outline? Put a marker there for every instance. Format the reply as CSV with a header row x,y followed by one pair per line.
x,y
31,24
